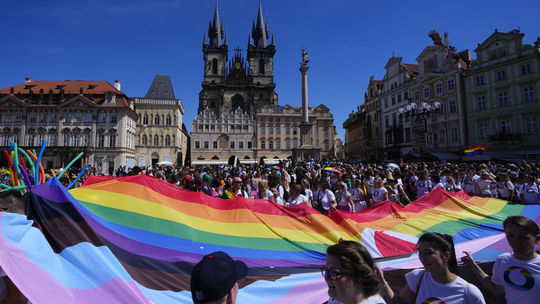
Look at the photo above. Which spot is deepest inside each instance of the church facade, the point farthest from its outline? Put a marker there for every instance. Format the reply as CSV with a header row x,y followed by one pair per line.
x,y
237,100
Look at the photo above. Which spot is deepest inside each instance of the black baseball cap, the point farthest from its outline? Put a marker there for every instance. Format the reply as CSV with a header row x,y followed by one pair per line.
x,y
214,276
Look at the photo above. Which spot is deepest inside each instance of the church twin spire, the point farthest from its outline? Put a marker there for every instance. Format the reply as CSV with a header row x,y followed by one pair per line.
x,y
259,32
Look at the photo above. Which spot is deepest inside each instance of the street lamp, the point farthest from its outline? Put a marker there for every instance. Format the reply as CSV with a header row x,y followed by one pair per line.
x,y
419,112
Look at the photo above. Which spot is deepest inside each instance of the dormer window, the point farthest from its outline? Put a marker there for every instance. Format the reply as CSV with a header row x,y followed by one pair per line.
x,y
110,98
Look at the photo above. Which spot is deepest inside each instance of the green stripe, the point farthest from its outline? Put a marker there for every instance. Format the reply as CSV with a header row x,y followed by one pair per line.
x,y
179,230
454,226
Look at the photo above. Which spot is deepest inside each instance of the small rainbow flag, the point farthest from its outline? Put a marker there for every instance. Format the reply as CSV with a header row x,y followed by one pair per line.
x,y
476,150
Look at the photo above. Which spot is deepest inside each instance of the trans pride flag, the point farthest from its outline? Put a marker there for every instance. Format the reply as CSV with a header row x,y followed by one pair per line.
x,y
135,240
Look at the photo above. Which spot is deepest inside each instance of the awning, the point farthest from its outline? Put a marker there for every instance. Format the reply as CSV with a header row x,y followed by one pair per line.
x,y
248,161
209,162
446,156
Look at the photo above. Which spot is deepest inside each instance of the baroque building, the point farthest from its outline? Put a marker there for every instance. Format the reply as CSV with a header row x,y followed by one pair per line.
x,y
395,138
93,117
355,138
438,87
160,136
238,104
502,89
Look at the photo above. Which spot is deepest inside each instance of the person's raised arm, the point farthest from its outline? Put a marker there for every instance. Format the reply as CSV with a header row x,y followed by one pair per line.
x,y
483,277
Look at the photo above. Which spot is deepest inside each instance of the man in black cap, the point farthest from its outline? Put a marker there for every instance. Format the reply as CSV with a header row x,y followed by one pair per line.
x,y
215,279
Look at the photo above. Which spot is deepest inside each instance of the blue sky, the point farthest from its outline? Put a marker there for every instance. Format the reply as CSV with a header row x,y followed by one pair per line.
x,y
348,41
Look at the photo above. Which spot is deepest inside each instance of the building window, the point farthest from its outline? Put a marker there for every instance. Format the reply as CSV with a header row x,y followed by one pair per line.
x,y
528,94
76,140
426,92
481,103
386,122
393,99
144,140
416,95
295,131
113,117
442,136
288,131
451,84
440,110
156,140
66,140
531,125
112,140
287,144
479,80
399,98
67,118
156,120
214,144
526,68
386,102
263,130
197,144
87,117
454,135
145,119
263,144
250,144
482,128
214,66
261,66
405,95
505,126
168,120
295,143
503,99
326,132
232,144
326,146
278,144
241,144
102,118
270,144
278,130
270,130
101,140
452,105
206,144
501,75
167,140
438,88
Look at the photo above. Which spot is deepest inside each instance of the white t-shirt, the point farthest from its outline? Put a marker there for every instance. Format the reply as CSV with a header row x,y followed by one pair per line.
x,y
374,299
378,194
531,194
293,201
483,186
325,197
358,204
520,279
422,187
266,195
457,292
504,189
309,194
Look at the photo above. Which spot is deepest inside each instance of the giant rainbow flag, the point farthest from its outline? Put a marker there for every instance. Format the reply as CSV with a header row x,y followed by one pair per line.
x,y
135,240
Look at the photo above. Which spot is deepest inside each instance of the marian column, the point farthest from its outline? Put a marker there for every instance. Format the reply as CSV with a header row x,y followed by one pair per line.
x,y
306,151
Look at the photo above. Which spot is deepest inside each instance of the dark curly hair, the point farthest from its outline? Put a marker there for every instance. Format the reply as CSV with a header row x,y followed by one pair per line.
x,y
357,261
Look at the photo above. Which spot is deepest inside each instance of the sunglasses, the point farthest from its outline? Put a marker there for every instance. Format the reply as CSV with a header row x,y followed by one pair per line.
x,y
332,273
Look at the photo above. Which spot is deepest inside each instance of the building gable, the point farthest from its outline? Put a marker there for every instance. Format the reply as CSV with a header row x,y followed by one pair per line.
x,y
12,102
79,102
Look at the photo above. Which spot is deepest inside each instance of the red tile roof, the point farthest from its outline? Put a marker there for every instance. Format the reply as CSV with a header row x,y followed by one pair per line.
x,y
412,69
97,89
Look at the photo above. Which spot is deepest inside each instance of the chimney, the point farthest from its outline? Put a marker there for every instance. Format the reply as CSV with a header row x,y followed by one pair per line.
x,y
27,80
117,85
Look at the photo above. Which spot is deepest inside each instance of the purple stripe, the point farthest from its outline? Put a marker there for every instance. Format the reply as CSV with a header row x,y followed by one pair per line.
x,y
171,255
41,287
315,291
52,191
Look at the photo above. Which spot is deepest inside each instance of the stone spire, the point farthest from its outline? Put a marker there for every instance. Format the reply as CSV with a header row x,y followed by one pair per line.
x,y
260,31
215,30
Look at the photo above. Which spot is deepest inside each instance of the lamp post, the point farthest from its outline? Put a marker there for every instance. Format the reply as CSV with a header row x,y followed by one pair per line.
x,y
418,112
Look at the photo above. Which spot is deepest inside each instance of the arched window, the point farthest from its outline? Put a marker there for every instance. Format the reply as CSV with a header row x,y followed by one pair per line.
x,y
167,140
144,140
156,120
261,66
156,140
168,120
145,119
214,66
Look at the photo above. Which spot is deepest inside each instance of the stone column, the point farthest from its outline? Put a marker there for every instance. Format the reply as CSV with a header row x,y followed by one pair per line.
x,y
303,69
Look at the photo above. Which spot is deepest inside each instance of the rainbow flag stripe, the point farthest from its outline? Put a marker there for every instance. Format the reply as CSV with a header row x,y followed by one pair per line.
x,y
135,240
475,150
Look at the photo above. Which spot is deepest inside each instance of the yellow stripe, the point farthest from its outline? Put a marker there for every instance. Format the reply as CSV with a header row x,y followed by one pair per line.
x,y
256,229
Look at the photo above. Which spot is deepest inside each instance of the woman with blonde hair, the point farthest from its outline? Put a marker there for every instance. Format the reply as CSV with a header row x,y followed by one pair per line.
x,y
263,192
344,198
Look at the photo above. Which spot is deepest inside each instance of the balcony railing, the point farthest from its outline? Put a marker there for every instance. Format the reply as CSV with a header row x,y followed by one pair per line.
x,y
505,137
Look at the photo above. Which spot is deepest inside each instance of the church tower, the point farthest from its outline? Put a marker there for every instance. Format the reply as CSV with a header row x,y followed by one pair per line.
x,y
215,53
260,55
